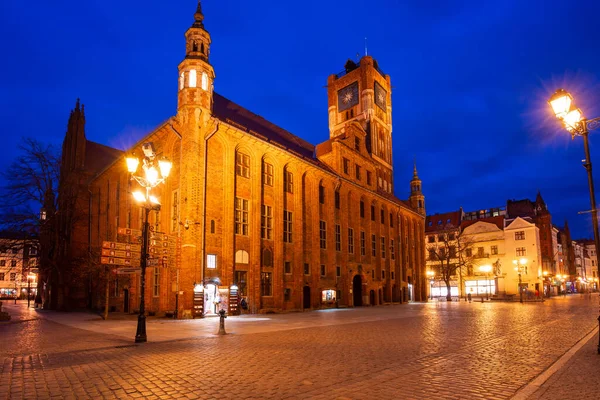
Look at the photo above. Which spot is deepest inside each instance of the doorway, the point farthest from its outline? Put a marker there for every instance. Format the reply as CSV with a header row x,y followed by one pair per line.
x,y
210,296
125,300
306,297
372,297
357,290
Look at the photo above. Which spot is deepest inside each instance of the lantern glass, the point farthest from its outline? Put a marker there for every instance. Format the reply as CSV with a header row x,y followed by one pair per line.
x,y
561,103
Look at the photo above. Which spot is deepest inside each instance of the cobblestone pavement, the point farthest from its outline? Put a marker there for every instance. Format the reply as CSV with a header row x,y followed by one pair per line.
x,y
416,351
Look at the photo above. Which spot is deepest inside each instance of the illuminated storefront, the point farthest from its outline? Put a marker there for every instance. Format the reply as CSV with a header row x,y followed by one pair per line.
x,y
480,287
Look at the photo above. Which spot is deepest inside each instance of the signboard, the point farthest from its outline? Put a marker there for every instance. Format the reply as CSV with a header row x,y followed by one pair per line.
x,y
120,253
122,246
124,271
120,261
129,231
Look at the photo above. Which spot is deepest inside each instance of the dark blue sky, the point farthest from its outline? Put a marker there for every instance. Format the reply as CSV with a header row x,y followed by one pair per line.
x,y
470,78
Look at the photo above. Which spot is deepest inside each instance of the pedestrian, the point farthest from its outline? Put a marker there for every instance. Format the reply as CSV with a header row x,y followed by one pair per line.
x,y
469,297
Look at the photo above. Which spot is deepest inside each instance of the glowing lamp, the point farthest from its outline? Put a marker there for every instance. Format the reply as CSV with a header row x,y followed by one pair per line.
x,y
139,196
561,103
572,119
198,288
132,164
153,200
486,269
165,167
152,175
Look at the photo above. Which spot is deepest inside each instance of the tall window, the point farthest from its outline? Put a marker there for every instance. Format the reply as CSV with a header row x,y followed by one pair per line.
x,y
338,237
13,276
372,213
204,81
363,243
338,271
356,143
337,199
357,171
288,181
242,164
362,209
350,240
267,174
480,253
520,235
193,78
346,163
306,269
392,250
241,216
323,234
323,270
287,267
369,177
382,247
266,222
287,226
266,284
156,283
321,194
521,252
373,245
382,216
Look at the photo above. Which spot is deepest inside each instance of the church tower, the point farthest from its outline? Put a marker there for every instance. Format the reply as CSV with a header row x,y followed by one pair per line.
x,y
360,105
417,199
196,75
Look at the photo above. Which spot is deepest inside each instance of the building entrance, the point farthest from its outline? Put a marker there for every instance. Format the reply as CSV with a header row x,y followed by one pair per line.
x,y
211,297
306,297
357,291
126,300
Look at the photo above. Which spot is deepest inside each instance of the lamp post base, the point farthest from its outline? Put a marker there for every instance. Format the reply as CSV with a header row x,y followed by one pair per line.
x,y
140,334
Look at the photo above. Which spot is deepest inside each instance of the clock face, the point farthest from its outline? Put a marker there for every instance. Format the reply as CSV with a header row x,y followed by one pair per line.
x,y
380,96
348,97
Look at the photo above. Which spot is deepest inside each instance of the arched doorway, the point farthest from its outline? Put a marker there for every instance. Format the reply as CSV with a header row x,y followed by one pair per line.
x,y
372,297
357,290
306,297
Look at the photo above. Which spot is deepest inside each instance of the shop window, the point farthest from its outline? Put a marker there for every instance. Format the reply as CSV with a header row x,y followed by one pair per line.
x,y
328,296
211,261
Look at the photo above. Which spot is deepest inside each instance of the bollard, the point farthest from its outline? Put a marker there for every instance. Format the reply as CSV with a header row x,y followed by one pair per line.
x,y
222,317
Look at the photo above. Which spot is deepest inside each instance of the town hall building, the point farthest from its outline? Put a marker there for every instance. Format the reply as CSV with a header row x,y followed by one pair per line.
x,y
257,210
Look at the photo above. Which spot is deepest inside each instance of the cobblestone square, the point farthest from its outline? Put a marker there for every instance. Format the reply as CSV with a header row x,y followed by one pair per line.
x,y
416,351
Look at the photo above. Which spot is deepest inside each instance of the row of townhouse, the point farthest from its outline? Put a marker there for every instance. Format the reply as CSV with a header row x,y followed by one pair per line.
x,y
495,252
18,265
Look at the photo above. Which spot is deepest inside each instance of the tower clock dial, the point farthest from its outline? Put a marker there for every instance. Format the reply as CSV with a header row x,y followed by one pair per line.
x,y
348,97
380,96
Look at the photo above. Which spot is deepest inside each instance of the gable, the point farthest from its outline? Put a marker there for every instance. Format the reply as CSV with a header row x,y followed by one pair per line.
x,y
519,223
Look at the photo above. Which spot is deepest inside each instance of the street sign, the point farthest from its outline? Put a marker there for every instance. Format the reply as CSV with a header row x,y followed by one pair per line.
x,y
123,271
119,261
122,246
120,253
129,231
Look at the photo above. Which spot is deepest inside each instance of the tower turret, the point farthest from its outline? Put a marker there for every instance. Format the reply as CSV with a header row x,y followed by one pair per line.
x,y
196,75
417,199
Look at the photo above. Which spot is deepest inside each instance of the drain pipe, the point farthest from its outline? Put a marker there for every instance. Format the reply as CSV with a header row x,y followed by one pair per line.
x,y
203,249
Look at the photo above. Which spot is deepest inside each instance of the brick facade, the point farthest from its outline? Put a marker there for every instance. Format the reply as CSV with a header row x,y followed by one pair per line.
x,y
338,195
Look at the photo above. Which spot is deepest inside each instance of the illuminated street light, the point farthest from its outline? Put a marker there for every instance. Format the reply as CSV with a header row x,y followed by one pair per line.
x,y
486,269
150,179
520,266
30,277
564,109
430,274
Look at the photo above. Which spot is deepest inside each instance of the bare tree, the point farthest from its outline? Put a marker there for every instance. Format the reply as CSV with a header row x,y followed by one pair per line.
x,y
30,185
450,254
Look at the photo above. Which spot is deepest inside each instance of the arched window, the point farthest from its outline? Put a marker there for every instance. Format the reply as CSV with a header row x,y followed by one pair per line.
x,y
193,78
204,81
241,257
267,258
181,80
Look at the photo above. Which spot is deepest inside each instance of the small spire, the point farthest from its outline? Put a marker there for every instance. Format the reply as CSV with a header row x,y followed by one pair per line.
x,y
415,174
77,104
198,16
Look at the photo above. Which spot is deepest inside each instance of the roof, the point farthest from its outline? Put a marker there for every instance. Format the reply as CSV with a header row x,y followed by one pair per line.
x,y
99,156
443,221
230,112
498,221
520,208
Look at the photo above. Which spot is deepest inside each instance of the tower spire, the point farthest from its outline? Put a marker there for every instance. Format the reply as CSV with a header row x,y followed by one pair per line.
x,y
415,174
198,16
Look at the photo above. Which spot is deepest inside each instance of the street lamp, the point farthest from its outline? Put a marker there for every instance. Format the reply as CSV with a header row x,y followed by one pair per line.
x,y
430,274
150,179
30,277
486,269
520,266
573,120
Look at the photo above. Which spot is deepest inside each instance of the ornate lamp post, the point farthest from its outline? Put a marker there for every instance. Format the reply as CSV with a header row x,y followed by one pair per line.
x,y
486,269
150,179
30,277
573,120
520,266
430,275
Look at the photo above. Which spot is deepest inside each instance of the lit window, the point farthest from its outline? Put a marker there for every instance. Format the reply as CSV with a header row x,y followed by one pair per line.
x,y
204,81
193,78
211,261
328,295
288,182
267,174
266,231
242,257
181,79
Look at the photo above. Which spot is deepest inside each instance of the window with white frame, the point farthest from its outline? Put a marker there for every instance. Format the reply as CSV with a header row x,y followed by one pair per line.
x,y
242,164
211,261
288,181
267,174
